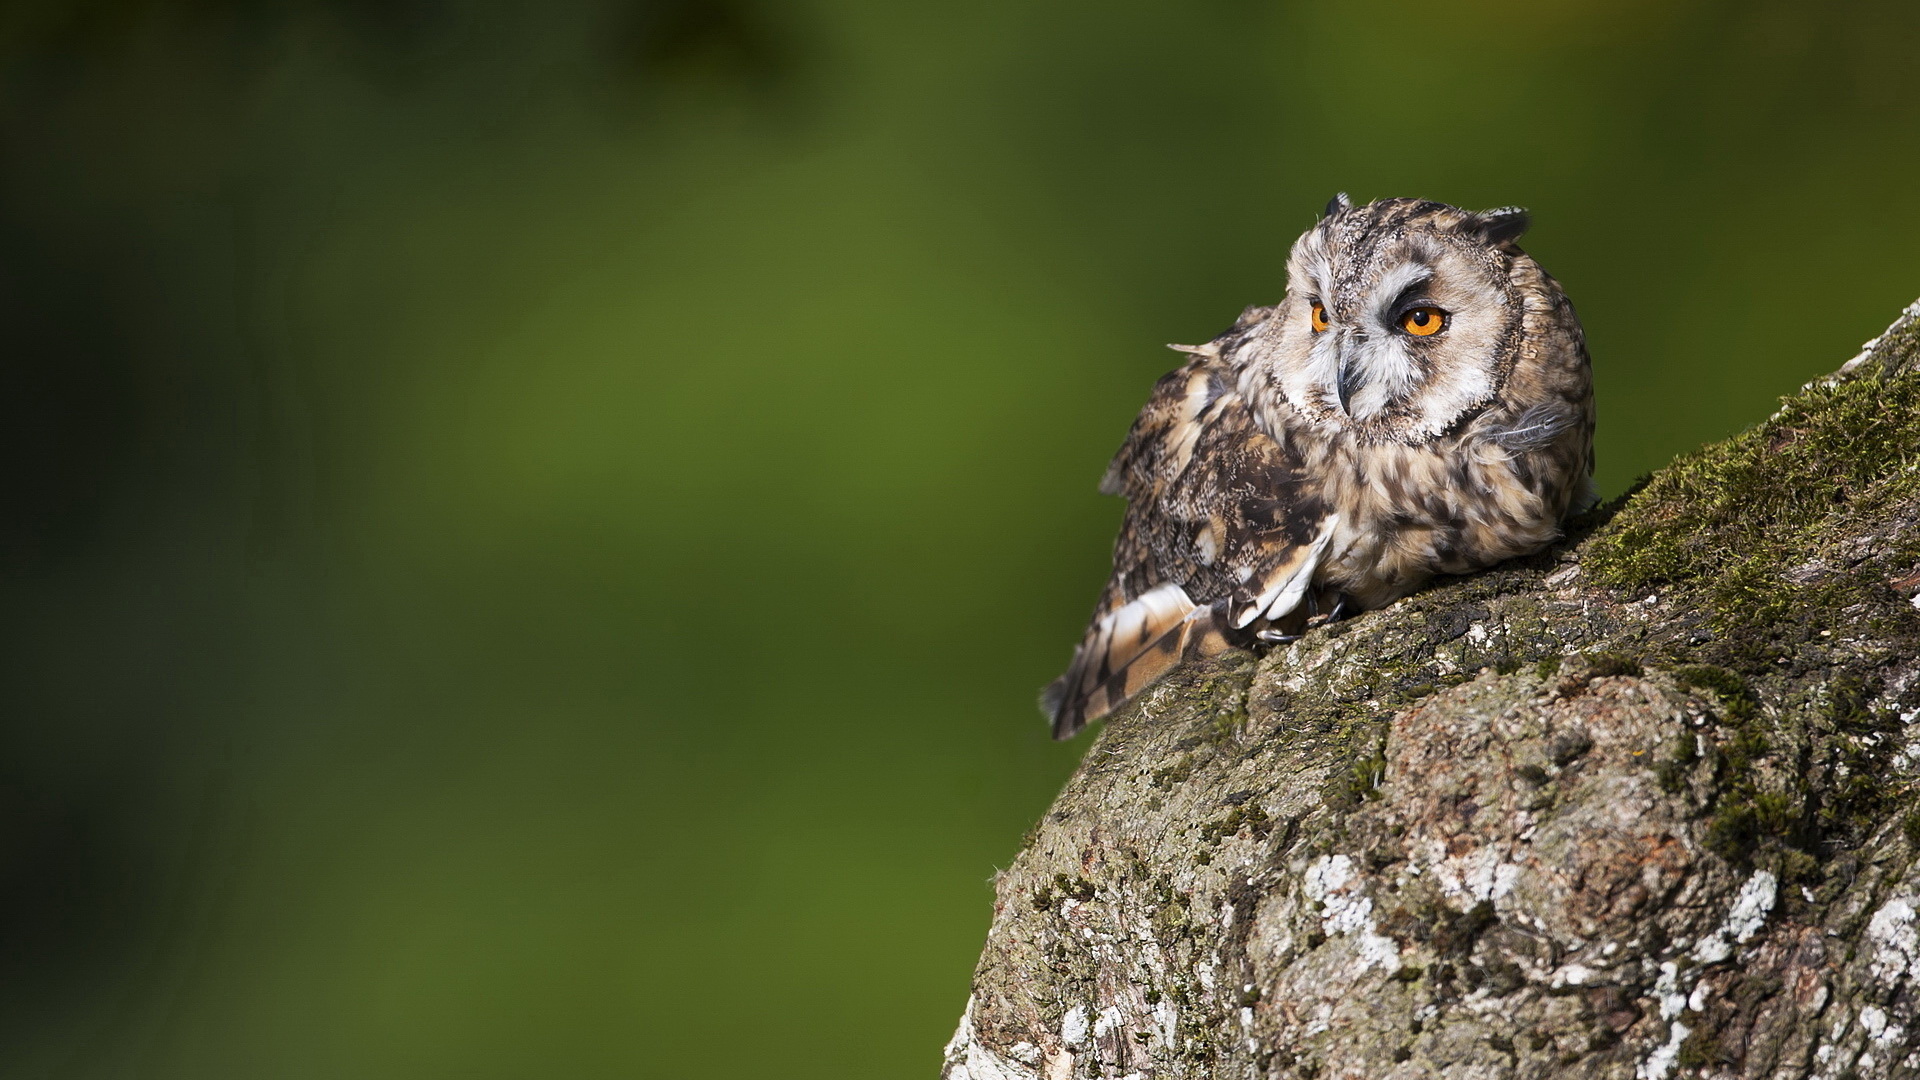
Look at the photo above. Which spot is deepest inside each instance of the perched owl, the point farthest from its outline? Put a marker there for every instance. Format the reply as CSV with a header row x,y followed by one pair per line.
x,y
1420,403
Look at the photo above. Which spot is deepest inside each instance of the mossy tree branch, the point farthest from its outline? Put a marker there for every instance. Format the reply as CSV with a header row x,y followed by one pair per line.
x,y
1640,806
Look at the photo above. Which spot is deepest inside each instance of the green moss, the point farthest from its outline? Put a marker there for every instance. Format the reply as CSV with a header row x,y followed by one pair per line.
x,y
1225,726
1737,701
1699,1051
1796,788
1169,775
1725,523
1748,820
1603,664
1674,767
1364,776
1062,888
1802,782
1795,866
1860,739
1733,833
1759,816
1249,817
1910,828
1847,710
1425,685
1077,888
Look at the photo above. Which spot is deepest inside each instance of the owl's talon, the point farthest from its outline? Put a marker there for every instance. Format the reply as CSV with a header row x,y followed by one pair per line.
x,y
1343,608
1275,637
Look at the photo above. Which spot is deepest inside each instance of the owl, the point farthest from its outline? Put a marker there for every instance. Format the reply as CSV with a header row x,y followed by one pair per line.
x,y
1419,403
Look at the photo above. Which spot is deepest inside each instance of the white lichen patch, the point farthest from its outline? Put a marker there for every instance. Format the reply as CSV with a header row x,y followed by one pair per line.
x,y
1660,1062
1698,1000
1751,907
1880,1030
1894,941
1346,910
1908,756
1166,1016
1747,916
1572,975
966,1059
1562,576
1073,1026
1667,989
1478,875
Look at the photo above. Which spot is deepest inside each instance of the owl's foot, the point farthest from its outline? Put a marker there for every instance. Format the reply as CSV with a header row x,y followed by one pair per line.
x,y
1343,608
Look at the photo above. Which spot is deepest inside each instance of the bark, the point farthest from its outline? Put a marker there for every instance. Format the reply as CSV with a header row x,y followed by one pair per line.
x,y
1640,806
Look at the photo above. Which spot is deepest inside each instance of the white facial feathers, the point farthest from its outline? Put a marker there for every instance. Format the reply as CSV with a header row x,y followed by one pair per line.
x,y
1358,364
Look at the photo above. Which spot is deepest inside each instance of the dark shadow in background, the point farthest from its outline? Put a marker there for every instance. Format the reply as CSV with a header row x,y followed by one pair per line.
x,y
109,744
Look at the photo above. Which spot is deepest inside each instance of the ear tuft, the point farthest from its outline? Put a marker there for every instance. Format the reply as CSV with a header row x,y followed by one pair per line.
x,y
1336,204
1503,225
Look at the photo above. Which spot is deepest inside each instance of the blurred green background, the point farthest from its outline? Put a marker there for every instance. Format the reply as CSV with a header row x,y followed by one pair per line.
x,y
533,530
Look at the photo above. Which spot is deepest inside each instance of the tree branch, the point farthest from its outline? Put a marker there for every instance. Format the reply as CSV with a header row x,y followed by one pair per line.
x,y
1640,806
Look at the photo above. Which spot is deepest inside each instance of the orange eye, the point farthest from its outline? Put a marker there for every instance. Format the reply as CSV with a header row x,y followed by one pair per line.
x,y
1423,321
1319,318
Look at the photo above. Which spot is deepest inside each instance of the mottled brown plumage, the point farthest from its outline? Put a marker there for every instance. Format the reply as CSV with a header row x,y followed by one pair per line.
x,y
1335,451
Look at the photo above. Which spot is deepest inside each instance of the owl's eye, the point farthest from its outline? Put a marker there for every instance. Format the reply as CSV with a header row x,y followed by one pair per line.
x,y
1319,317
1424,321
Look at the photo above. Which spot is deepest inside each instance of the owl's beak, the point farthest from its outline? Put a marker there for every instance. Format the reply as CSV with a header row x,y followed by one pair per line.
x,y
1348,379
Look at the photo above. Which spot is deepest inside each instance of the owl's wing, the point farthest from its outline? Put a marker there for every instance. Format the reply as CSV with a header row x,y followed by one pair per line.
x,y
1224,529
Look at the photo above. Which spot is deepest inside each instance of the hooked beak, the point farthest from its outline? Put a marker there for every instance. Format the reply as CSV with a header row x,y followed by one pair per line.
x,y
1347,379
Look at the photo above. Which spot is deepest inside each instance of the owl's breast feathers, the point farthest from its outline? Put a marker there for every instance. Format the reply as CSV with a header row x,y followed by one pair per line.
x,y
1223,530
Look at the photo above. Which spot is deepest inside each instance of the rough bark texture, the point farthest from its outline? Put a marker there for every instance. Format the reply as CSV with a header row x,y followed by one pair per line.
x,y
1640,806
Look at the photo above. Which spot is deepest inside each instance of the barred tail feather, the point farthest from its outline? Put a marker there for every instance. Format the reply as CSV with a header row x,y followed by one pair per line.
x,y
1126,651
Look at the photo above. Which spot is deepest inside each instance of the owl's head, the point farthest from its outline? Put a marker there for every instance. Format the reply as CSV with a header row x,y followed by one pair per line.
x,y
1402,318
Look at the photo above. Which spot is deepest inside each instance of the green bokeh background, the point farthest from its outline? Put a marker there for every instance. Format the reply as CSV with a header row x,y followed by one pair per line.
x,y
533,530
